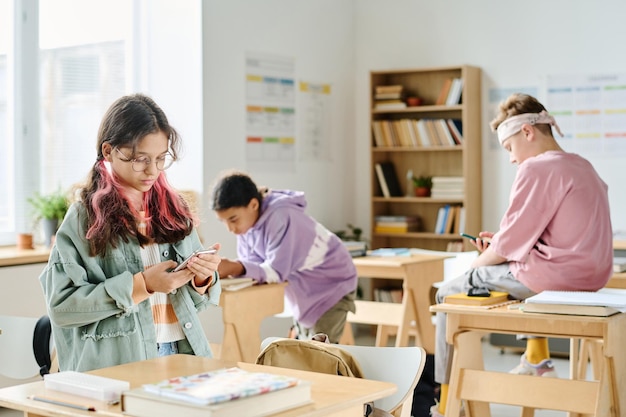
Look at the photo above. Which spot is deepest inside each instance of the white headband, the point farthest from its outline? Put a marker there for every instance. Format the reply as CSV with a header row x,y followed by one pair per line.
x,y
512,125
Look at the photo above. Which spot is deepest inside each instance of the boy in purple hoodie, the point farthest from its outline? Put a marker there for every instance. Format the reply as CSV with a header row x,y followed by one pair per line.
x,y
278,242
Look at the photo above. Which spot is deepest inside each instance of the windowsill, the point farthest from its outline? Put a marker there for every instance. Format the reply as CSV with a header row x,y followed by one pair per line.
x,y
11,255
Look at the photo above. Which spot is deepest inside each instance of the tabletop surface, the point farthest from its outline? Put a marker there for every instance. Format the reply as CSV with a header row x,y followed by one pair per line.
x,y
330,393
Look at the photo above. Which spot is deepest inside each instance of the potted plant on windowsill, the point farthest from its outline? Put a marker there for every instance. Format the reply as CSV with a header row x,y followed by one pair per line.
x,y
422,185
50,209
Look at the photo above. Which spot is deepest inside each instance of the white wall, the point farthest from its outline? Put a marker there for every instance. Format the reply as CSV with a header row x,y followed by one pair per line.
x,y
320,36
515,43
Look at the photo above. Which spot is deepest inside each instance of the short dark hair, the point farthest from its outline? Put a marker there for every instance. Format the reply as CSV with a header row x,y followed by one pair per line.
x,y
234,189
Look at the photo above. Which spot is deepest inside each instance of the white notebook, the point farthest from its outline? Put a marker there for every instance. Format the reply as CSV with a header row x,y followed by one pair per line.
x,y
606,297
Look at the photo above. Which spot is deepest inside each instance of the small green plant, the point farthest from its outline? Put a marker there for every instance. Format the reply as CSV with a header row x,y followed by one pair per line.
x,y
423,181
49,206
355,233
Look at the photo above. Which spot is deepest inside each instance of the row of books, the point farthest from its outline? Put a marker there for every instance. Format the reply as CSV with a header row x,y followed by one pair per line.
x,y
450,219
447,187
451,92
397,224
418,133
389,97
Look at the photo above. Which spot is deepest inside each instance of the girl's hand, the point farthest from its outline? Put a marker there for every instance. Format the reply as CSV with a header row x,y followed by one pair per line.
x,y
203,266
159,279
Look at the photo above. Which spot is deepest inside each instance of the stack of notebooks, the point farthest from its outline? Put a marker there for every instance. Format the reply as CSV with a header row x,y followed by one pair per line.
x,y
356,248
224,392
396,224
601,303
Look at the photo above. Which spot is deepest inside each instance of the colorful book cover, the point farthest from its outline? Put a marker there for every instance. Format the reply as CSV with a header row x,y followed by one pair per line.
x,y
219,386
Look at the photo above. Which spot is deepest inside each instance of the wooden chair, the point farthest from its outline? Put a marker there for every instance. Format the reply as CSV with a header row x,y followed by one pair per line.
x,y
402,366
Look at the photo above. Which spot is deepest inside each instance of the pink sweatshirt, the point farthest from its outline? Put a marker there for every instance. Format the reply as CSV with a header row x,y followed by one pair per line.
x,y
557,232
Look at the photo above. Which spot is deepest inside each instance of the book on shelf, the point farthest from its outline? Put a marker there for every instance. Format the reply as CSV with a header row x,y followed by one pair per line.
x,y
379,138
382,228
394,218
234,284
388,180
224,392
443,93
602,303
619,264
440,222
495,297
448,187
456,128
387,89
388,96
393,104
456,90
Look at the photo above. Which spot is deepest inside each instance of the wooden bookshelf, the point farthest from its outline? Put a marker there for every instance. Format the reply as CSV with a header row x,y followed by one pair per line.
x,y
439,158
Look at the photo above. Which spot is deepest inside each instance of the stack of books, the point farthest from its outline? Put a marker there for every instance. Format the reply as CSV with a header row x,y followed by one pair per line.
x,y
396,224
448,187
356,248
389,97
224,392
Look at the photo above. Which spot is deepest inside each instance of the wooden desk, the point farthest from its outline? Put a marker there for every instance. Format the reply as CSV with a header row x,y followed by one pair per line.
x,y
618,280
11,255
243,311
468,380
332,395
418,273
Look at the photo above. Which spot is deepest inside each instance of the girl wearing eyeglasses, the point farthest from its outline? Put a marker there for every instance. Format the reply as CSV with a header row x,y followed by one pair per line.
x,y
111,293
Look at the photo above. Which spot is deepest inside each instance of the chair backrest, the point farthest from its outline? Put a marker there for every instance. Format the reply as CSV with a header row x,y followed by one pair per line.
x,y
402,366
17,361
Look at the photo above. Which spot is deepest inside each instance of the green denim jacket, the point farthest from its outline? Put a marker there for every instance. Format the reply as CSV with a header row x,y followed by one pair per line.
x,y
95,323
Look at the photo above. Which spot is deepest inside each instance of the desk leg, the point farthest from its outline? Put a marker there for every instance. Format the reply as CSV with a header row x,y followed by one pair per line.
x,y
418,282
230,350
468,354
242,312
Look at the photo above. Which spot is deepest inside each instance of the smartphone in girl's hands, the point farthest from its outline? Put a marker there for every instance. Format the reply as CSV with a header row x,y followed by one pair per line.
x,y
184,263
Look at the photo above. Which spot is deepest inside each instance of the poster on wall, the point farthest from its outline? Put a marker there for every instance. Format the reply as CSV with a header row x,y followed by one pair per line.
x,y
314,121
270,113
591,112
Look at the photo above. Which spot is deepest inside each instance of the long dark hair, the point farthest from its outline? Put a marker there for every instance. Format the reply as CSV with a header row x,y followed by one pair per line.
x,y
110,215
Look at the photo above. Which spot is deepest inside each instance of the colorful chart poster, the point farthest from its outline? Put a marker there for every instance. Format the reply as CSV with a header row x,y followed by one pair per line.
x,y
591,112
314,120
270,113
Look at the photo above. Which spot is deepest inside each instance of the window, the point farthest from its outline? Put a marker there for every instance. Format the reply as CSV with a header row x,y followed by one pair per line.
x,y
57,86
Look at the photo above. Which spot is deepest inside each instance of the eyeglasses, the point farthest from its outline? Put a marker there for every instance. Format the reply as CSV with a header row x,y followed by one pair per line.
x,y
143,162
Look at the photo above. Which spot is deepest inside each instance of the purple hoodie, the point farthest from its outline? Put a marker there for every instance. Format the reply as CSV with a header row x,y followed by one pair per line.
x,y
286,244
